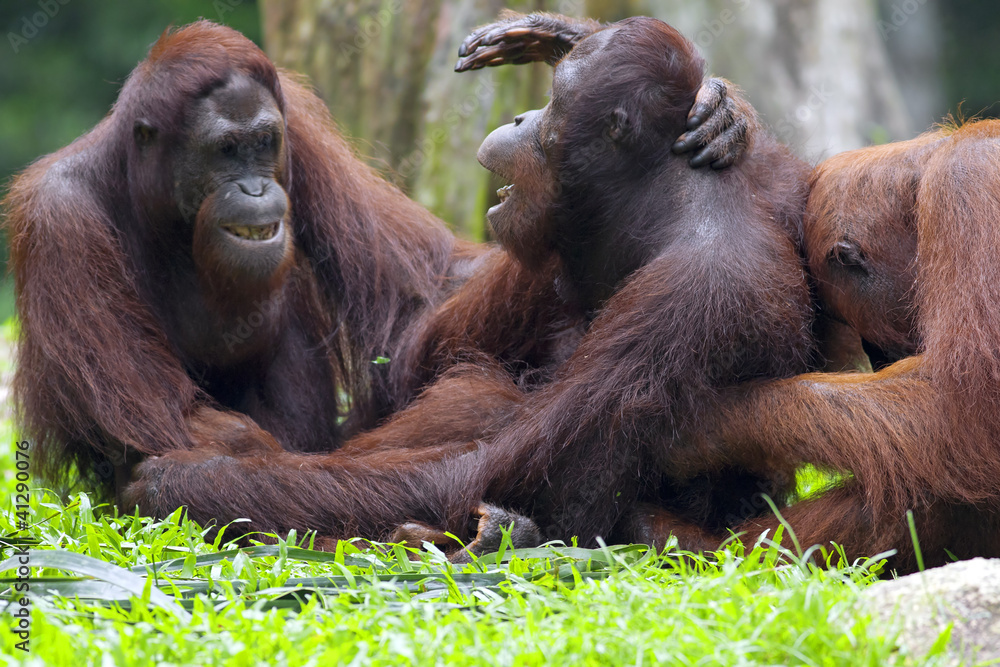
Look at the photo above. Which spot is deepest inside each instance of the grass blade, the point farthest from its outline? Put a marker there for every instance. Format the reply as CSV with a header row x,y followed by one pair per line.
x,y
98,569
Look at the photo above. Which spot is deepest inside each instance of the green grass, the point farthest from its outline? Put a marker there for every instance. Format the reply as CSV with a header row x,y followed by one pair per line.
x,y
368,604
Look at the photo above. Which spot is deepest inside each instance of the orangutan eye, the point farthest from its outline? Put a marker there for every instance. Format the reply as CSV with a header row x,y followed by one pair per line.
x,y
848,254
264,141
228,148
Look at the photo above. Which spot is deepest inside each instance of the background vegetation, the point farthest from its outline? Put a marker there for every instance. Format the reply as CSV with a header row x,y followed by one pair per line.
x,y
129,591
883,70
886,69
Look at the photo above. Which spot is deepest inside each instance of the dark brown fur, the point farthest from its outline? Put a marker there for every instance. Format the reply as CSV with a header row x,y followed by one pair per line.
x,y
95,246
681,308
701,287
118,371
692,282
921,434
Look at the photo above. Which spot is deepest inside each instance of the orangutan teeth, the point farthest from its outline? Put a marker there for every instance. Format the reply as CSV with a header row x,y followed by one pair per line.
x,y
504,192
253,232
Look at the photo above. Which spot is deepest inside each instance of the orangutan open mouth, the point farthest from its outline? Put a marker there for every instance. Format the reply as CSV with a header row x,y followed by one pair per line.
x,y
254,232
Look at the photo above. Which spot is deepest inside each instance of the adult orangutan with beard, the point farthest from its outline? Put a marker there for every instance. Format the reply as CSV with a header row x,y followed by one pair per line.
x,y
205,276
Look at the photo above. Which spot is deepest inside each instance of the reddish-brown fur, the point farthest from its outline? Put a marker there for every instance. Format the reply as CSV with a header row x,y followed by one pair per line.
x,y
100,377
705,289
674,318
692,283
104,379
921,434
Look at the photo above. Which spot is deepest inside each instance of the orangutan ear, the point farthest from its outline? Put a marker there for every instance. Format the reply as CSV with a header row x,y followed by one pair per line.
x,y
619,125
144,132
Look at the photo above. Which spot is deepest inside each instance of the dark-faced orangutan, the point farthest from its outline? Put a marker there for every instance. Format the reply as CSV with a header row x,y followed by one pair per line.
x,y
212,267
691,282
210,273
686,281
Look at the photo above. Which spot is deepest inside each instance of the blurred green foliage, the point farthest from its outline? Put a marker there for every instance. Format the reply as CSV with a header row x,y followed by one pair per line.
x,y
62,80
58,80
971,32
62,63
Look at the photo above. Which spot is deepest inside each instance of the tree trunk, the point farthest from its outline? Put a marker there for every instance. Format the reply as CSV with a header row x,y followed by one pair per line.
x,y
385,68
817,70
